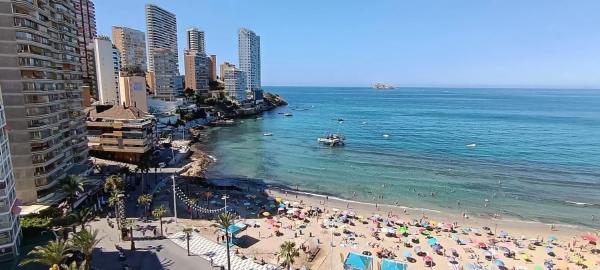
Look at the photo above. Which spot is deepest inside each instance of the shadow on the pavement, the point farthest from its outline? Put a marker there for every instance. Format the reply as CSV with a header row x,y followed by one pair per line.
x,y
246,241
143,258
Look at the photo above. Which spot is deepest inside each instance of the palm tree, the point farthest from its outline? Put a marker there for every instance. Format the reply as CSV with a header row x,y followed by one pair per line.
x,y
72,266
85,241
128,223
225,220
159,213
114,200
145,200
288,252
72,185
114,183
50,254
188,233
207,195
144,167
193,201
83,216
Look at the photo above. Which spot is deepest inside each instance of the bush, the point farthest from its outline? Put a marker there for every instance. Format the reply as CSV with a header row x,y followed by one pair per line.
x,y
35,222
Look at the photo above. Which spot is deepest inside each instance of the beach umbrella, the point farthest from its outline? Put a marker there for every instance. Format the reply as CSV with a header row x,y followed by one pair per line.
x,y
552,238
452,259
548,264
407,254
335,210
425,232
344,213
266,214
548,249
432,241
247,204
278,199
524,256
402,230
590,237
428,260
538,267
272,206
499,263
503,234
302,216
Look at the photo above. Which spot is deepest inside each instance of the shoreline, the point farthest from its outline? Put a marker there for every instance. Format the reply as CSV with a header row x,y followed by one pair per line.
x,y
279,189
513,226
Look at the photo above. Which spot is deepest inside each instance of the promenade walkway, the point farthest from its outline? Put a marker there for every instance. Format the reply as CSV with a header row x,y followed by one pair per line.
x,y
207,249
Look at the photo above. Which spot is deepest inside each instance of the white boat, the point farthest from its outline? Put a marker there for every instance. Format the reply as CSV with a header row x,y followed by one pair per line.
x,y
332,140
267,134
288,114
471,145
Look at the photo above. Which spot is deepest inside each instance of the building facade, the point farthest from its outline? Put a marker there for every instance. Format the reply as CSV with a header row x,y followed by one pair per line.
x,y
224,67
120,132
161,27
86,27
132,90
196,72
131,44
163,75
212,68
10,230
249,57
40,76
195,40
235,84
107,70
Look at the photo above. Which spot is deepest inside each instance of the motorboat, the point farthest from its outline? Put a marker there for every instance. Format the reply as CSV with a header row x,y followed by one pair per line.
x,y
267,134
332,140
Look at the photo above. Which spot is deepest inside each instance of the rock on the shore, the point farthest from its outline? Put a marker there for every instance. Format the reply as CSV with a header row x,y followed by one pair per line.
x,y
198,166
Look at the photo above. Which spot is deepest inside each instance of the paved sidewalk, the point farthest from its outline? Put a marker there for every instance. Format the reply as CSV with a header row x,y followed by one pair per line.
x,y
207,249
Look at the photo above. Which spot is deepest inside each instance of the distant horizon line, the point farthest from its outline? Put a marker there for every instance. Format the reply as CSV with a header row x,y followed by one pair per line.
x,y
450,87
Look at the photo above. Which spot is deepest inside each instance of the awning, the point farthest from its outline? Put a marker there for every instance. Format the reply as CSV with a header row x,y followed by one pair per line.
x,y
32,209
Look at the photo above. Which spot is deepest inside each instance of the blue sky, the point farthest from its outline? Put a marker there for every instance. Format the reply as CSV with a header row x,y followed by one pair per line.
x,y
477,43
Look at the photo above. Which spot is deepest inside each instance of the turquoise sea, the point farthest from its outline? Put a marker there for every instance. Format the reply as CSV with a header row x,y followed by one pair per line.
x,y
532,154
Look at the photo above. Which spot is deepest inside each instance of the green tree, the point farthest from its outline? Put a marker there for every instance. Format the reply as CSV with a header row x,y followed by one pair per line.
x,y
288,253
188,233
83,217
188,92
145,200
225,220
159,213
85,241
52,253
72,185
114,200
114,183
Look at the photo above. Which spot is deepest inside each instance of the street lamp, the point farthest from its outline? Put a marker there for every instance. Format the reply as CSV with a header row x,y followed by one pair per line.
x,y
174,198
225,197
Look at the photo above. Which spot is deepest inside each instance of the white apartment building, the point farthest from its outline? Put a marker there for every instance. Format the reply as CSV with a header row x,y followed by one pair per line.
x,y
235,84
10,230
161,26
195,41
107,70
249,57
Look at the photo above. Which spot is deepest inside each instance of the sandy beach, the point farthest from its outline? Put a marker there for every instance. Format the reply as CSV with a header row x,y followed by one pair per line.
x,y
469,243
